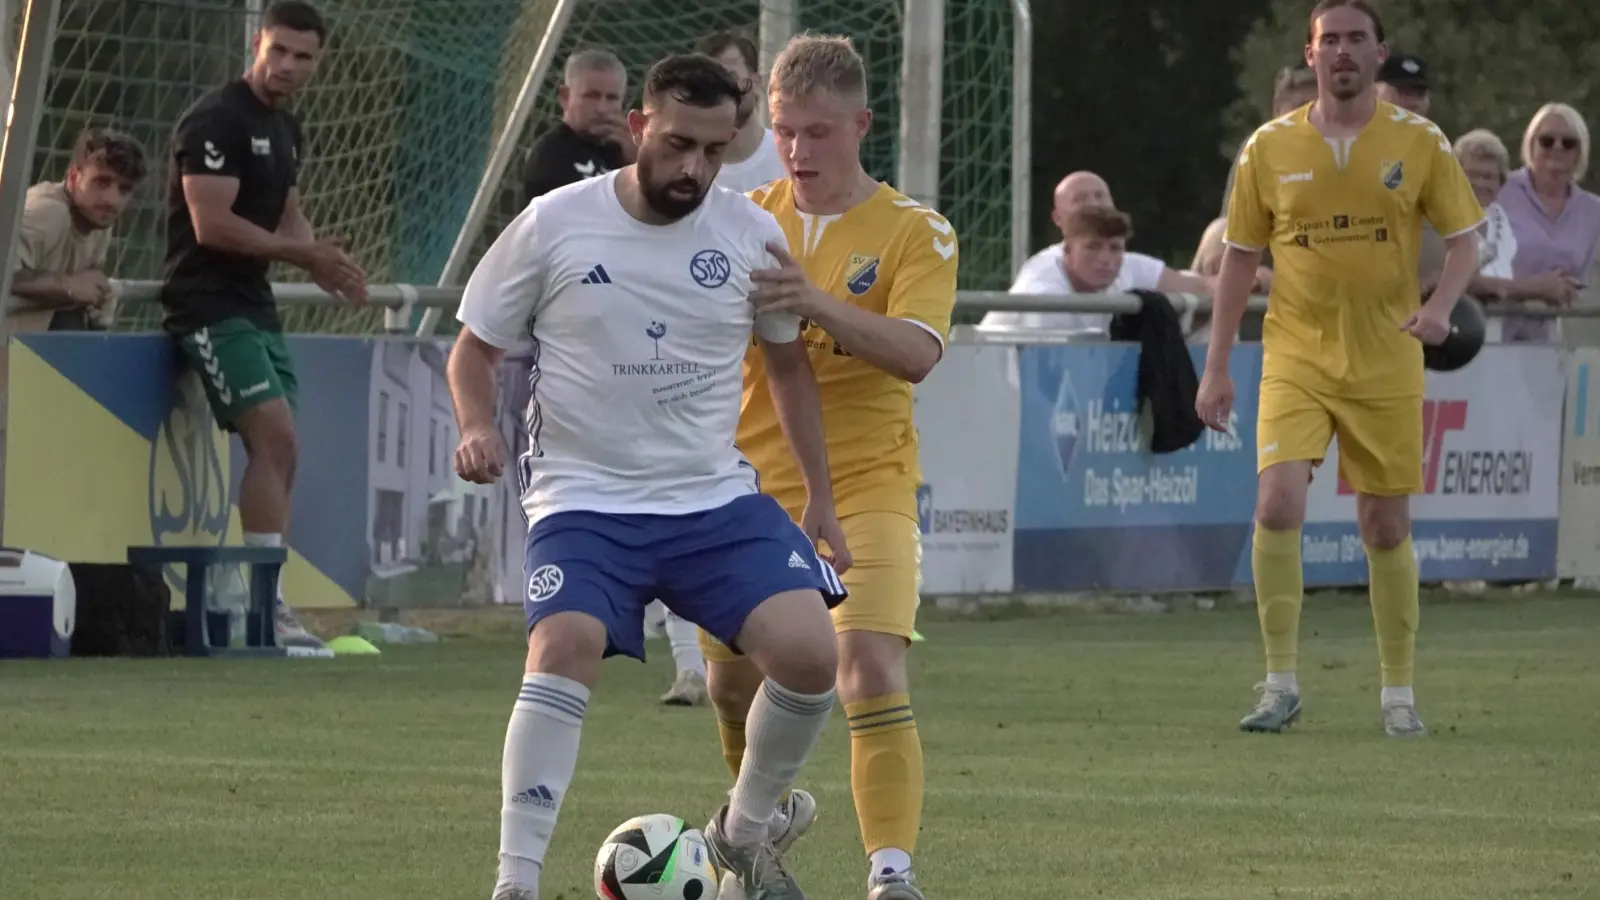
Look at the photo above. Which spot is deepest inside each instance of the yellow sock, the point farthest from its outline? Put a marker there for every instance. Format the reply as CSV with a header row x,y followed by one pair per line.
x,y
1392,575
732,734
886,772
1280,586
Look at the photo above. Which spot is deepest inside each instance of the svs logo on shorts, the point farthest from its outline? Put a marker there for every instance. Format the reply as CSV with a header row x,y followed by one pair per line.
x,y
1471,471
545,582
189,479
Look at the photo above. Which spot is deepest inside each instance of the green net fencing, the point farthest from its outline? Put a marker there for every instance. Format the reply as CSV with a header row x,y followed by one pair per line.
x,y
405,110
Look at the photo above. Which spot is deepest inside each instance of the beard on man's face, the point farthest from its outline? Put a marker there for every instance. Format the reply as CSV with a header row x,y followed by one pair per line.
x,y
674,198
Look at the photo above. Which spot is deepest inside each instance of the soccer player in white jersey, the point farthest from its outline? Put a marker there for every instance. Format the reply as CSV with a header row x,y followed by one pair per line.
x,y
750,161
752,158
634,288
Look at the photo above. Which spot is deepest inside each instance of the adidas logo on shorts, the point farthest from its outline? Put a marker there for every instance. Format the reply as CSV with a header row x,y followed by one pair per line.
x,y
796,561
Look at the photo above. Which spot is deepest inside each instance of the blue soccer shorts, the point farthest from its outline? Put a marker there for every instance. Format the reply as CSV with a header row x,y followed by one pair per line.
x,y
712,567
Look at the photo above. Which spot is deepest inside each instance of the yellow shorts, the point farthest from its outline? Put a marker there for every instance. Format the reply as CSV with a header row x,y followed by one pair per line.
x,y
1380,440
885,583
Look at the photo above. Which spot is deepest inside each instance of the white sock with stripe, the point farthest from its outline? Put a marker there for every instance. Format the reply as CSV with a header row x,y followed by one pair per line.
x,y
540,756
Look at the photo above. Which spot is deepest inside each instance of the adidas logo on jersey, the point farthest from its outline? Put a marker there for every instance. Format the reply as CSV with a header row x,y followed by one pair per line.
x,y
796,561
536,796
597,275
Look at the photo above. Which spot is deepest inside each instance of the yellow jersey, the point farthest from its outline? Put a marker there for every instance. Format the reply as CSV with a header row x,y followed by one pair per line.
x,y
1343,218
889,255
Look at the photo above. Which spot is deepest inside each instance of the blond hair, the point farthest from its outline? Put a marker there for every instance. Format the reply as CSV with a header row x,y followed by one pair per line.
x,y
1208,256
1481,143
1575,121
812,63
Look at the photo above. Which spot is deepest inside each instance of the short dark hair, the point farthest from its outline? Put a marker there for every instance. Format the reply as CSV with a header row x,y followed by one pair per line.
x,y
295,15
718,43
1097,222
116,151
692,78
1361,6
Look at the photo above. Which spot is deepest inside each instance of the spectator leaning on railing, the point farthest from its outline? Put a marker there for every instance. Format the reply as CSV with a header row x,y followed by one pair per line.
x,y
60,283
1047,271
1487,163
1556,222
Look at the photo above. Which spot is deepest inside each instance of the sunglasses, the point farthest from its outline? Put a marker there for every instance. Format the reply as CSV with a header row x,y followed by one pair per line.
x,y
1549,140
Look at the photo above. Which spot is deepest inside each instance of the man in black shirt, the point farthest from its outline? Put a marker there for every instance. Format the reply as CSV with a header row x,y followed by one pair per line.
x,y
593,136
233,210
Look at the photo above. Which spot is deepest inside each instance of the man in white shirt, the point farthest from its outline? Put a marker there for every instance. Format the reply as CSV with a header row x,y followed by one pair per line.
x,y
752,157
634,288
1046,272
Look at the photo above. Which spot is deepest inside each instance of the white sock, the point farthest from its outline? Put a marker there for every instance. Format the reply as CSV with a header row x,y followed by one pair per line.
x,y
779,733
890,860
1283,681
1397,695
684,636
655,614
263,539
540,756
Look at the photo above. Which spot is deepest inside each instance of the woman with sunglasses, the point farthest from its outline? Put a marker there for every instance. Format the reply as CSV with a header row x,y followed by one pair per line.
x,y
1556,223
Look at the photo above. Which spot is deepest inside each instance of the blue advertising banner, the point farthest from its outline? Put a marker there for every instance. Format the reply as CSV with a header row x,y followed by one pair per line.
x,y
1096,510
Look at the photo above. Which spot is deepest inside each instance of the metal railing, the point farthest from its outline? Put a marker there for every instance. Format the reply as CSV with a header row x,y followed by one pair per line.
x,y
400,301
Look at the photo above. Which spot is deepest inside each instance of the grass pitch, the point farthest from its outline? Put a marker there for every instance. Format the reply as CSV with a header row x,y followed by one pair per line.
x,y
1068,756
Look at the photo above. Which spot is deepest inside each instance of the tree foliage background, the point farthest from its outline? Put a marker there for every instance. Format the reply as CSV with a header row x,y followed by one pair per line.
x,y
1493,63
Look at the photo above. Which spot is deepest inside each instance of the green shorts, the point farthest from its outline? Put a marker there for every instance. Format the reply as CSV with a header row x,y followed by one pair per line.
x,y
241,365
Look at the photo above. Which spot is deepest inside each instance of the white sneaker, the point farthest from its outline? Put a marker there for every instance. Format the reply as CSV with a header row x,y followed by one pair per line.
x,y
1401,720
289,631
795,816
688,690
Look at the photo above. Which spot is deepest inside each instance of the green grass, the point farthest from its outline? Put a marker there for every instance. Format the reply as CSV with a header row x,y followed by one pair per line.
x,y
1068,756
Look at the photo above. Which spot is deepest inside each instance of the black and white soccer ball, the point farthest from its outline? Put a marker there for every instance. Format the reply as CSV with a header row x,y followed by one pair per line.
x,y
654,858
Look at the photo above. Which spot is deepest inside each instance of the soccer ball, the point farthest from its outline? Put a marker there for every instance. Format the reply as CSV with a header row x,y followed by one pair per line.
x,y
654,858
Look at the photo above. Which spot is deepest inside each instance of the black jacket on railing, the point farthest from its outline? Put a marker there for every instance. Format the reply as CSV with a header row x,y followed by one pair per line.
x,y
1167,379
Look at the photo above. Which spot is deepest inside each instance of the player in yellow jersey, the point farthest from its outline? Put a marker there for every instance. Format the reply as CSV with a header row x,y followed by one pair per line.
x,y
1339,189
873,273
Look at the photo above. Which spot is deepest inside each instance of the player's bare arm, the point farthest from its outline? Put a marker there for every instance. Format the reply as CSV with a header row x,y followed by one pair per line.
x,y
294,223
1431,323
798,403
481,456
1214,401
900,347
210,200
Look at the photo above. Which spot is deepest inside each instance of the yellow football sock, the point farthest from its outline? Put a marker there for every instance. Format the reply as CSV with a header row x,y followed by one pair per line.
x,y
732,734
1280,586
1392,575
886,771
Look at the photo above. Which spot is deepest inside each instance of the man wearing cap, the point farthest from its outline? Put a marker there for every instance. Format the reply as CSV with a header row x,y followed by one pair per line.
x,y
1403,81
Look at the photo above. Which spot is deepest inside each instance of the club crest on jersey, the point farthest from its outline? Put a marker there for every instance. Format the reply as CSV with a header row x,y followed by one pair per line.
x,y
1392,173
710,268
861,273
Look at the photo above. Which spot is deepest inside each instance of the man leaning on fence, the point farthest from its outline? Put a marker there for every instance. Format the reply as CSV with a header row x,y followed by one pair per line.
x,y
233,209
60,283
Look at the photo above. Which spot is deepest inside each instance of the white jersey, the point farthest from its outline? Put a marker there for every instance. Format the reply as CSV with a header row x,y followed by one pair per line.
x,y
638,336
762,167
1045,273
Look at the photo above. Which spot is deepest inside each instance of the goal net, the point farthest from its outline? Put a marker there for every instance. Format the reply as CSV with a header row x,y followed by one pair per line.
x,y
413,94
975,160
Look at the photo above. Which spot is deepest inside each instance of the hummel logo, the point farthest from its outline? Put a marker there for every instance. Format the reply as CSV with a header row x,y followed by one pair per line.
x,y
796,561
597,275
538,796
